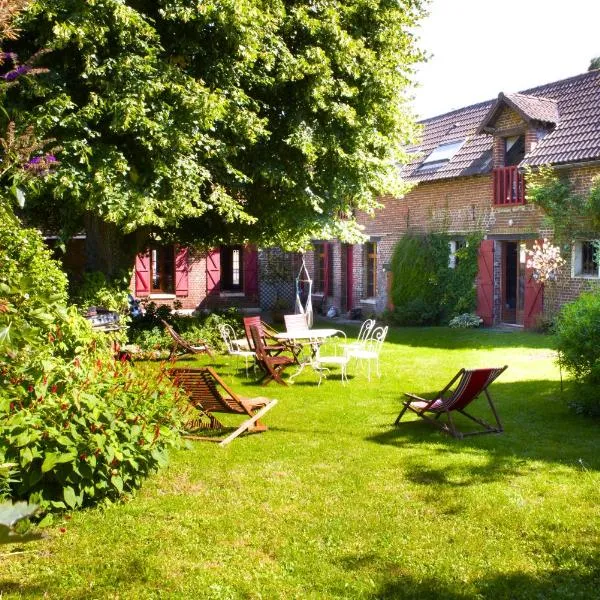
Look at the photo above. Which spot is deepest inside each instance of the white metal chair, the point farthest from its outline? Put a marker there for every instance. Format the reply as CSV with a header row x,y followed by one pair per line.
x,y
340,358
233,347
363,333
371,350
295,322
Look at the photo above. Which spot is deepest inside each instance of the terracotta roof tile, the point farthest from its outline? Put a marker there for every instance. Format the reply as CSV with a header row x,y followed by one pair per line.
x,y
574,104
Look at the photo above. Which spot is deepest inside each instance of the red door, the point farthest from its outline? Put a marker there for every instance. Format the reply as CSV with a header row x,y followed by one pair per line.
x,y
485,282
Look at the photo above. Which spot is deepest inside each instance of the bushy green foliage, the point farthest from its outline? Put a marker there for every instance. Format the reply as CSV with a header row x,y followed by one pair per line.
x,y
147,332
569,213
170,112
577,331
466,321
96,290
76,426
85,432
425,290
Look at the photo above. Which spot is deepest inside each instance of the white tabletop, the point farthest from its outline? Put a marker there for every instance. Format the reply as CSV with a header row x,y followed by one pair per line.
x,y
306,334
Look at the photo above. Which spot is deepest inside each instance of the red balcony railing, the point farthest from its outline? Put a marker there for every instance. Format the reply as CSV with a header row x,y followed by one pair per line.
x,y
509,186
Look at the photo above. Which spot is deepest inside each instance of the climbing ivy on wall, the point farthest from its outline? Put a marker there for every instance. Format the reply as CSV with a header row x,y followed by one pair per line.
x,y
425,290
568,213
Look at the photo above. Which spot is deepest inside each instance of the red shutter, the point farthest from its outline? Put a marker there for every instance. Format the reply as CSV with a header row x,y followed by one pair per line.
x,y
142,274
533,303
251,272
213,272
485,282
181,271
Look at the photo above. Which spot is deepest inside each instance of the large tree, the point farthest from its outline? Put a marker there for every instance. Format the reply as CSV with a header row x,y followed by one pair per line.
x,y
220,120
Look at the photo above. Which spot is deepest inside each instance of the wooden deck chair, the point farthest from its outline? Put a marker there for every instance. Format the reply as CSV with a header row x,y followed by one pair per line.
x,y
272,345
466,386
272,366
209,394
182,347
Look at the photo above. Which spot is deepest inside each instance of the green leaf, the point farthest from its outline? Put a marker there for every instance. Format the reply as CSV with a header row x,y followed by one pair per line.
x,y
50,461
69,496
117,483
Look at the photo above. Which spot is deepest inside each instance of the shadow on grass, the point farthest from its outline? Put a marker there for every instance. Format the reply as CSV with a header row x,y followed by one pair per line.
x,y
577,580
538,426
20,589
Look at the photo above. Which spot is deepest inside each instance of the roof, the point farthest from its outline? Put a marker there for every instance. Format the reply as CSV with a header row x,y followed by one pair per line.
x,y
571,106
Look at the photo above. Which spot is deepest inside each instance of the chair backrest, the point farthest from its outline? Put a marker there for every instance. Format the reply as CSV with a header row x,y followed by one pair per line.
x,y
365,330
471,383
250,322
258,344
376,339
203,386
174,334
228,335
295,322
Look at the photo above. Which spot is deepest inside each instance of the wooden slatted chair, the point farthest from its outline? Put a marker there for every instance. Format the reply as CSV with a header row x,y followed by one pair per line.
x,y
272,366
465,387
272,345
182,347
209,394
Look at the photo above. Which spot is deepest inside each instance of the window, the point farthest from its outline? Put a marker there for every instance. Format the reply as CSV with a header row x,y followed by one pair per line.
x,y
231,268
441,155
323,272
585,260
162,269
371,256
514,150
453,246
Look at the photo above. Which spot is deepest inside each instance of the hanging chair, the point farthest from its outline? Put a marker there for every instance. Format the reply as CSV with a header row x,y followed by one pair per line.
x,y
302,279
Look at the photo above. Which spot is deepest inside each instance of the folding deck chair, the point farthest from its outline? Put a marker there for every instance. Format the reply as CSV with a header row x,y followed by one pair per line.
x,y
183,347
465,386
272,366
209,394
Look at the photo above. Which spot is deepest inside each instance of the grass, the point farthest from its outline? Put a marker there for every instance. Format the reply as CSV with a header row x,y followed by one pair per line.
x,y
334,502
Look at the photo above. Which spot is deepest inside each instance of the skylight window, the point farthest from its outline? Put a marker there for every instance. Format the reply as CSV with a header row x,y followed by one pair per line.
x,y
444,152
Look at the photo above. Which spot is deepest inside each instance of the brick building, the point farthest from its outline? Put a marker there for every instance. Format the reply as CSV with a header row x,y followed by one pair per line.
x,y
468,177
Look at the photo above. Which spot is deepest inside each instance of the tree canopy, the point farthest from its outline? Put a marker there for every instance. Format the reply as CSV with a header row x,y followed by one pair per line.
x,y
223,120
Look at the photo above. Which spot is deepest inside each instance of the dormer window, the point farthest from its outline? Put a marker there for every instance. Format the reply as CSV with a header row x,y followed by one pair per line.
x,y
441,155
514,150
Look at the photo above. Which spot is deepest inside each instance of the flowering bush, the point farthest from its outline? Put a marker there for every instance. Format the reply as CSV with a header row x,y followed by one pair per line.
x,y
77,426
466,321
545,260
84,433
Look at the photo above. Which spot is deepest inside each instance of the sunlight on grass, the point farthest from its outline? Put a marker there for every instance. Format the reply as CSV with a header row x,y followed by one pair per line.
x,y
335,502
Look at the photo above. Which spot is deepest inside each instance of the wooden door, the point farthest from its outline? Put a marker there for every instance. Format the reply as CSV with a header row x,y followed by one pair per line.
x,y
485,282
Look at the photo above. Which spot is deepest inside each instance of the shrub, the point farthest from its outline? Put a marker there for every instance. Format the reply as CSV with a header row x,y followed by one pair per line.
x,y
95,290
85,433
466,321
425,290
76,426
577,334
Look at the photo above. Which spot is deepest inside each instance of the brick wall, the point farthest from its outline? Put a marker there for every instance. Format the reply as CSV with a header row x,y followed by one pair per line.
x,y
462,206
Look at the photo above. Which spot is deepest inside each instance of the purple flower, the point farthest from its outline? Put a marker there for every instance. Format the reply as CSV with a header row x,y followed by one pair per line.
x,y
12,75
8,55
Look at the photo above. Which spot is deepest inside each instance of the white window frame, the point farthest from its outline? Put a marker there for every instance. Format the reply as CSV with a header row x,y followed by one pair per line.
x,y
577,259
453,246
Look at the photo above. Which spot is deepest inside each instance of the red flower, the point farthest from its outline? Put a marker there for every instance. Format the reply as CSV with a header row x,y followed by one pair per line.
x,y
53,389
30,389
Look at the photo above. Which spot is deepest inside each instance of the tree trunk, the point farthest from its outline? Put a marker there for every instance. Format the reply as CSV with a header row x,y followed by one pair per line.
x,y
109,250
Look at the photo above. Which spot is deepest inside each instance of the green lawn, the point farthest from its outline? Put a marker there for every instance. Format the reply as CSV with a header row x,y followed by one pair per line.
x,y
334,502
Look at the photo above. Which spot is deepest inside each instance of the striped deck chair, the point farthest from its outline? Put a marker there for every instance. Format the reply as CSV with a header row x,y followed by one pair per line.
x,y
466,386
209,394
